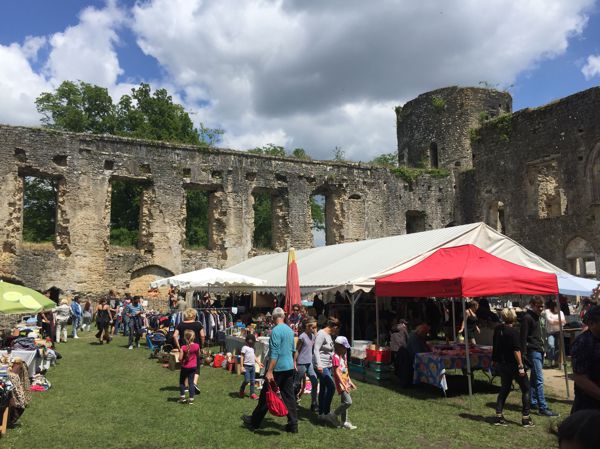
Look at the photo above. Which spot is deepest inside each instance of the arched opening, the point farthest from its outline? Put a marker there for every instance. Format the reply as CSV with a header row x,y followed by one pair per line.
x,y
433,155
141,278
495,216
581,258
318,220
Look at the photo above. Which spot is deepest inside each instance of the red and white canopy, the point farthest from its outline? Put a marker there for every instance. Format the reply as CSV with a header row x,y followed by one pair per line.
x,y
465,271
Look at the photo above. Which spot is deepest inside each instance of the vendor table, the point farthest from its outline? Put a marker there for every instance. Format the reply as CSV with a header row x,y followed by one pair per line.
x,y
32,358
431,367
234,345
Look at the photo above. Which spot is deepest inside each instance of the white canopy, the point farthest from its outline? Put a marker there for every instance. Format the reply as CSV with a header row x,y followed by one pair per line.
x,y
575,286
208,277
355,266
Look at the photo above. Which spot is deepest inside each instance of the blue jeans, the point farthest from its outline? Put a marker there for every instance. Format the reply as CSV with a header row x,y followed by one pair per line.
x,y
326,390
125,326
76,325
552,350
249,377
303,369
537,380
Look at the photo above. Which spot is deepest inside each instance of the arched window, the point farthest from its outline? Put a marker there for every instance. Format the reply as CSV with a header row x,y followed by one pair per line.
x,y
581,258
433,155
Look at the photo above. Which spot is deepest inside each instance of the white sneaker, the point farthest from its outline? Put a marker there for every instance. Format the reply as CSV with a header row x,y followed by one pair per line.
x,y
332,418
348,425
75,336
137,345
130,346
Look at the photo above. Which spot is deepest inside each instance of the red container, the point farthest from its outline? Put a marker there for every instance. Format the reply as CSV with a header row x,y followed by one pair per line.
x,y
218,361
379,355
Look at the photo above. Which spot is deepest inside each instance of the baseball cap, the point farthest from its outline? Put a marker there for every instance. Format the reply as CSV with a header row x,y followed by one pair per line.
x,y
342,341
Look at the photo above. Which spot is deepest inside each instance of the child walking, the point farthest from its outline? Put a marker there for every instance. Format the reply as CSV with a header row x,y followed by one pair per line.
x,y
248,366
189,363
343,383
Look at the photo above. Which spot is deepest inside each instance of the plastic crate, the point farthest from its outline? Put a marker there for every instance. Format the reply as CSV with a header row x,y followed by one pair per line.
x,y
357,371
379,367
378,376
358,352
379,355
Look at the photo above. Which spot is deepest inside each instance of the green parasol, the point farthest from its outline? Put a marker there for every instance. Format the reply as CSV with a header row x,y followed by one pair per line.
x,y
19,299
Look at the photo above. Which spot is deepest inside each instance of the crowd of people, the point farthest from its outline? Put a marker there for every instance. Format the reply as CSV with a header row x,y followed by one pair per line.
x,y
321,355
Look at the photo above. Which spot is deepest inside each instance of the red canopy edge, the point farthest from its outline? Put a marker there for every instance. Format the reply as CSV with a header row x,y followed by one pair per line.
x,y
466,271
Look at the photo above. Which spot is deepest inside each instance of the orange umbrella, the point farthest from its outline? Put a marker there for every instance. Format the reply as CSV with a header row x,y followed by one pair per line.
x,y
292,285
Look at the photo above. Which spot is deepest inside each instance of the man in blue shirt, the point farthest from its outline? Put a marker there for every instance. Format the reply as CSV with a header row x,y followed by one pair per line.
x,y
280,370
76,314
134,312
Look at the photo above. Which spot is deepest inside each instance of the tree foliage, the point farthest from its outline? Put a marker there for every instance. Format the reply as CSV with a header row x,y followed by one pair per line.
x,y
388,160
84,107
263,219
196,224
126,199
39,209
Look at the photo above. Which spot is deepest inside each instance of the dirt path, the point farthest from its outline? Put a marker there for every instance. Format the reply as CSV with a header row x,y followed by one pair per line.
x,y
554,380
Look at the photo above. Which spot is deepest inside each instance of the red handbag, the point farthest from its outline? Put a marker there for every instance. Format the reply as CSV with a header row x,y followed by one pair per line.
x,y
274,401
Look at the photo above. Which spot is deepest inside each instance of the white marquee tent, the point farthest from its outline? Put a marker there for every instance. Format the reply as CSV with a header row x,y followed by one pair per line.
x,y
208,277
355,266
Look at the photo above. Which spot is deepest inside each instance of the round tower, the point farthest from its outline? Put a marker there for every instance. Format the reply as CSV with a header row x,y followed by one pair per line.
x,y
434,129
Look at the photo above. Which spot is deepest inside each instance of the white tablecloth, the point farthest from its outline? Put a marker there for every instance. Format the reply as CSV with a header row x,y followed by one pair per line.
x,y
32,358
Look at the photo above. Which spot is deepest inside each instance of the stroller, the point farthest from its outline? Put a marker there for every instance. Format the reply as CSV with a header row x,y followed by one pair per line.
x,y
158,341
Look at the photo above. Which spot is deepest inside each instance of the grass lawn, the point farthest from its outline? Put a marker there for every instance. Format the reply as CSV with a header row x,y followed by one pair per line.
x,y
110,397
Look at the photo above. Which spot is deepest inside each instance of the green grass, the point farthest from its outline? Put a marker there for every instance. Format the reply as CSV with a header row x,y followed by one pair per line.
x,y
110,397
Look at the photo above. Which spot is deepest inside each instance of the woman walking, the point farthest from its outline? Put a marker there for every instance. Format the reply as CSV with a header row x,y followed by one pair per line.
x,y
508,359
62,314
103,320
189,323
87,316
323,353
553,316
470,323
303,357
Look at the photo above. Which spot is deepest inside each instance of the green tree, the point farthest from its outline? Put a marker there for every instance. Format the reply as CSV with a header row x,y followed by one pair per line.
x,y
388,160
125,200
339,155
269,150
196,224
263,219
317,213
300,153
78,107
39,209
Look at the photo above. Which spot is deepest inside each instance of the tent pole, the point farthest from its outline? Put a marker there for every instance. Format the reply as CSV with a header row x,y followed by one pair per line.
x,y
562,347
453,321
467,336
377,317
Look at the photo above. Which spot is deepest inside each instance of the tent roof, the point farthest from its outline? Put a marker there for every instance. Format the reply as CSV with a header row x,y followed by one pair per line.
x,y
207,277
462,271
356,265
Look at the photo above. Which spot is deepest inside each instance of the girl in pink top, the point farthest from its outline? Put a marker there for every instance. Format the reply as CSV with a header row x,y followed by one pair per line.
x,y
189,363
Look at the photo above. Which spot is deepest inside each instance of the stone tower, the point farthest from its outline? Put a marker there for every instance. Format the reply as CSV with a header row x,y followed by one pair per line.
x,y
434,128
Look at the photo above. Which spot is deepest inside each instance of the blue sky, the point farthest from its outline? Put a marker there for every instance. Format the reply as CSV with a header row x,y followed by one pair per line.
x,y
316,75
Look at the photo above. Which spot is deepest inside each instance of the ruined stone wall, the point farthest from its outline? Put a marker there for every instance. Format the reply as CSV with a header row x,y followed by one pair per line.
x,y
540,165
437,124
362,202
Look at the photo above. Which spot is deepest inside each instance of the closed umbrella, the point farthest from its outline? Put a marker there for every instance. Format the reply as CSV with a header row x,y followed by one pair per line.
x,y
292,285
18,299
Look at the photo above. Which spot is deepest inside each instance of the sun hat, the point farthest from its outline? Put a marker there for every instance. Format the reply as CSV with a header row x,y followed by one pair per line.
x,y
341,340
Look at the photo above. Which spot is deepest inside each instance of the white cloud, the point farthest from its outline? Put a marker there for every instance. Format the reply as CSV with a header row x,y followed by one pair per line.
x,y
19,86
326,74
86,51
302,74
591,67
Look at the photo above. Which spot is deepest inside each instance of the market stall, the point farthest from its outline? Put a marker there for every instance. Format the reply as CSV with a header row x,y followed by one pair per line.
x,y
465,271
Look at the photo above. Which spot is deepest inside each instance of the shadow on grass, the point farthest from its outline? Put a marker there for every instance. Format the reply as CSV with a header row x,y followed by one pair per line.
x,y
169,388
235,395
485,419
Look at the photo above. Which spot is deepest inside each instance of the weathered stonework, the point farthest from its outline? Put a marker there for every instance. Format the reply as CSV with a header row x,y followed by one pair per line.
x,y
361,202
533,175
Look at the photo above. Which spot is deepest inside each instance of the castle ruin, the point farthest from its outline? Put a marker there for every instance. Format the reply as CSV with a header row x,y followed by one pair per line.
x,y
533,174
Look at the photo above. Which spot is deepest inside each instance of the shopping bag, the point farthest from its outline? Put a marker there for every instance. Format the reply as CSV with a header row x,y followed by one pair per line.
x,y
274,401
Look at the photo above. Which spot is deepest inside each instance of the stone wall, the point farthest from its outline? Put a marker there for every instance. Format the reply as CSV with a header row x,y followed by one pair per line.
x,y
542,167
361,202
